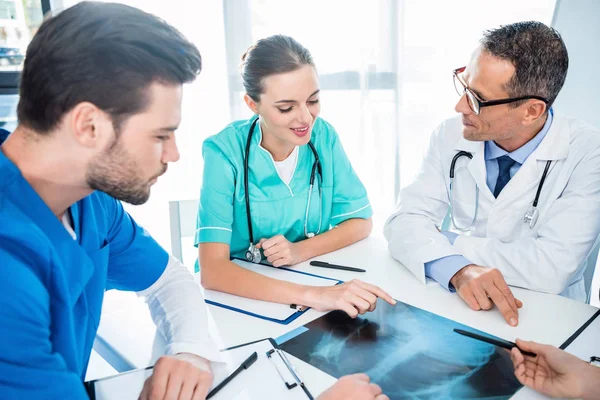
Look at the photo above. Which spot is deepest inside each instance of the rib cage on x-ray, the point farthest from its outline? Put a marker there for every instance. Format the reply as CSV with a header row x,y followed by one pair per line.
x,y
411,353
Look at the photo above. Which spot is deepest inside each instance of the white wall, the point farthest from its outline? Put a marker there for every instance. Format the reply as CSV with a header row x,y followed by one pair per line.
x,y
578,21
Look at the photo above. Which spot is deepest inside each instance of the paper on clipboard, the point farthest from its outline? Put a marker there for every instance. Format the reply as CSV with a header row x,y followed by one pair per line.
x,y
275,311
261,381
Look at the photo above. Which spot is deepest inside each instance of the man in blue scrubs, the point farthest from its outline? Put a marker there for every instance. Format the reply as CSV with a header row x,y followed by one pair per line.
x,y
100,99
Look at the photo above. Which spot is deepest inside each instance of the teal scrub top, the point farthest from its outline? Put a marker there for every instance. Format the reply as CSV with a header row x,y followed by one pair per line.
x,y
276,207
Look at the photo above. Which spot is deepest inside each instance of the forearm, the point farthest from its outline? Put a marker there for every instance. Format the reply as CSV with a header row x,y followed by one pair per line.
x,y
345,234
226,276
179,312
591,383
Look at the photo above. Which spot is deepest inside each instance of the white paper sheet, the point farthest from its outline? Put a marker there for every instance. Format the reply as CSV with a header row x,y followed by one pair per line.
x,y
264,308
260,381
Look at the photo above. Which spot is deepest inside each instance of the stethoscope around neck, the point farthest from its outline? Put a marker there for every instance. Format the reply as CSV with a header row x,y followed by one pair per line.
x,y
253,253
530,217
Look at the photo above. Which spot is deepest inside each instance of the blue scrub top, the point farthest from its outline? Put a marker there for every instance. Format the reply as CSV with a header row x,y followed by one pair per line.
x,y
276,207
53,286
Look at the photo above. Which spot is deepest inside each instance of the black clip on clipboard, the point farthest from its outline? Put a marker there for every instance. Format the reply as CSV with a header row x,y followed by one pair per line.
x,y
298,381
276,354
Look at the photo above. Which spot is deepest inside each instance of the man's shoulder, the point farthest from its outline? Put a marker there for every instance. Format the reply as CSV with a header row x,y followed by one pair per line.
x,y
580,130
25,250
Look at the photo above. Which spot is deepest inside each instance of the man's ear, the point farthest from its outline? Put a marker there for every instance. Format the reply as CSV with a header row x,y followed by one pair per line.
x,y
534,110
91,126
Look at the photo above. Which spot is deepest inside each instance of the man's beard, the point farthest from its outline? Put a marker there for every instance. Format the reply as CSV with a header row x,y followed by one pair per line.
x,y
115,173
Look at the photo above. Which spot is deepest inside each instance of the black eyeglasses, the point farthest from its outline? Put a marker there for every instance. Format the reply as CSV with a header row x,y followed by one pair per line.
x,y
475,103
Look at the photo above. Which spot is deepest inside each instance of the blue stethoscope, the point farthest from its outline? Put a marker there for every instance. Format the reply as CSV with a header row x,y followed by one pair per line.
x,y
531,216
253,253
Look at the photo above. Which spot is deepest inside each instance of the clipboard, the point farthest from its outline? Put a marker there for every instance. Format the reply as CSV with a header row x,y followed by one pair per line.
x,y
266,378
584,342
274,312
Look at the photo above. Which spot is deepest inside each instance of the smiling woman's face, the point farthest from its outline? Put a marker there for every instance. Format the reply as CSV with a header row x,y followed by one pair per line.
x,y
289,105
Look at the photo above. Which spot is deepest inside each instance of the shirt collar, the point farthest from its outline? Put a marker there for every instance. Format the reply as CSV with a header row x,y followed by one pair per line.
x,y
493,151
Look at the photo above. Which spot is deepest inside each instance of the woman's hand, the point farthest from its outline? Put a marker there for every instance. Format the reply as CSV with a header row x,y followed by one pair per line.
x,y
280,251
354,297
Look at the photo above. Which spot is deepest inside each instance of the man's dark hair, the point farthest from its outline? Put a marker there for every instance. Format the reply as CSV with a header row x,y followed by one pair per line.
x,y
538,54
103,53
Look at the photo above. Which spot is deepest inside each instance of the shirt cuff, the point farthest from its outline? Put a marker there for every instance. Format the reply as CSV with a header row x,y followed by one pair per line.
x,y
212,234
354,209
206,350
443,269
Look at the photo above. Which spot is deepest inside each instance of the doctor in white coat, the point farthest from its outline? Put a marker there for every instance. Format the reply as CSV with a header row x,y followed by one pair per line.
x,y
510,138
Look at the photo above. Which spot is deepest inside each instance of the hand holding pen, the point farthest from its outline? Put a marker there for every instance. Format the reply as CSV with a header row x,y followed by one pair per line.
x,y
555,372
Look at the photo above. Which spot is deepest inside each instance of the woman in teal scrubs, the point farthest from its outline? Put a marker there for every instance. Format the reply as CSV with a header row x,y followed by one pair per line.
x,y
304,197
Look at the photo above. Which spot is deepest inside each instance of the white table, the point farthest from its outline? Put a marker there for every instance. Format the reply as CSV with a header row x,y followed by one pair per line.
x,y
126,324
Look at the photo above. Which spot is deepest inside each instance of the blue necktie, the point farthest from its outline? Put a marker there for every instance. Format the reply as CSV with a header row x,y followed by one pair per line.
x,y
504,165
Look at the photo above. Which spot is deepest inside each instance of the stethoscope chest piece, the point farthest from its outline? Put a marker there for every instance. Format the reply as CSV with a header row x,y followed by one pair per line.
x,y
531,217
253,254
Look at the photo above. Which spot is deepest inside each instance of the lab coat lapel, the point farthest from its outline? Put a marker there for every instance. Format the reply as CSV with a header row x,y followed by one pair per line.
x,y
555,146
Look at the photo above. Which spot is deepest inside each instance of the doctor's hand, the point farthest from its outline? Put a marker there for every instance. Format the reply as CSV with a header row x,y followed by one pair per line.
x,y
353,387
482,287
354,297
555,372
279,251
184,376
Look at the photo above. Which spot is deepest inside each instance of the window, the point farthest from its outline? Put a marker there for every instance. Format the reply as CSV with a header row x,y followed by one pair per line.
x,y
385,69
19,20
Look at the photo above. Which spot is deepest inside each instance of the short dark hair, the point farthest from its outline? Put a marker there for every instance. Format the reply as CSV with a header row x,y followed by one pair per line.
x,y
275,54
538,54
104,53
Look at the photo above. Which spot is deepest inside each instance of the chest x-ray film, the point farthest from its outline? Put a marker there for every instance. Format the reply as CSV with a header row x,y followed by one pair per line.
x,y
409,352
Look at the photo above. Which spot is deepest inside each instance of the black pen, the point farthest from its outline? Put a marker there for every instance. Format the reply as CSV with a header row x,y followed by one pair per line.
x,y
245,365
324,264
505,344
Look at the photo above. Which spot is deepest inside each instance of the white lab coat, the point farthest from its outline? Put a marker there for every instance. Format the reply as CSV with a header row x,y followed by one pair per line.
x,y
549,258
